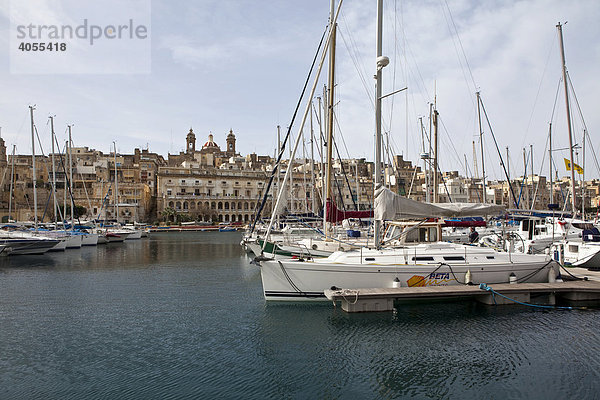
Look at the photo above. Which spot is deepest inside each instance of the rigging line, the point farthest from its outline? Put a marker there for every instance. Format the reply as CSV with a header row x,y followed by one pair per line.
x,y
539,88
540,173
583,121
460,60
364,71
337,123
461,45
394,59
555,99
498,150
320,133
355,62
593,152
408,51
345,176
282,151
39,141
451,142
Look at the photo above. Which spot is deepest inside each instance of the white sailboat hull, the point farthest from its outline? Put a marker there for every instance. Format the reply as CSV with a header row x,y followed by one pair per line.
x,y
294,280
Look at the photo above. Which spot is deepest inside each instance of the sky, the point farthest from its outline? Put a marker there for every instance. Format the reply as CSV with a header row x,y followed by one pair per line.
x,y
241,65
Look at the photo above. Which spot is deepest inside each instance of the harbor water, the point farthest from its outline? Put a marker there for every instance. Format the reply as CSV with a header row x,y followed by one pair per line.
x,y
181,315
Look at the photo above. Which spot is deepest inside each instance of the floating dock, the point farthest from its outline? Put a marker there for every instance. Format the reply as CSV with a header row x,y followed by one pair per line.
x,y
382,299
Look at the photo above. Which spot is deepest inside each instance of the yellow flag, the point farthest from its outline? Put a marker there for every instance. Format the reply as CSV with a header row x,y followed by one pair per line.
x,y
576,167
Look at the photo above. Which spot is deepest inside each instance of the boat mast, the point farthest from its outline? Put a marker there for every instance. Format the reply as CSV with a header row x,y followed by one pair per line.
x,y
564,73
12,179
53,173
435,156
583,177
31,108
550,163
481,144
532,179
525,181
322,166
313,206
116,196
278,169
330,100
71,178
507,179
381,62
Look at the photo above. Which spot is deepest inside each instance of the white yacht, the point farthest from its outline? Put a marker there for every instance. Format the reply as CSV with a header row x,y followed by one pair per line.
x,y
421,261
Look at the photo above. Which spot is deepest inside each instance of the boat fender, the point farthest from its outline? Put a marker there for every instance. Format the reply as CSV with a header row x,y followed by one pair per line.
x,y
512,278
260,258
396,283
335,288
468,278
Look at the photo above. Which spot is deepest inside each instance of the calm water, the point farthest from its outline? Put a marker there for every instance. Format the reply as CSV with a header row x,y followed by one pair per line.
x,y
181,315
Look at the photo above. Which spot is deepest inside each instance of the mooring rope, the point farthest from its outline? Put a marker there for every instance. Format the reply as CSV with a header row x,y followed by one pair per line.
x,y
487,288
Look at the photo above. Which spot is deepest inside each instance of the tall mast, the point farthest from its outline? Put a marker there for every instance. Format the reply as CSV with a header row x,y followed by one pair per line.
x,y
71,178
278,169
481,144
564,72
322,166
507,179
116,185
381,62
31,108
435,156
313,206
550,163
53,173
583,177
12,179
64,213
291,187
428,159
532,178
330,100
525,188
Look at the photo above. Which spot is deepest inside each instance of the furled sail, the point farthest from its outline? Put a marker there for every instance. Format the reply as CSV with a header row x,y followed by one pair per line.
x,y
390,206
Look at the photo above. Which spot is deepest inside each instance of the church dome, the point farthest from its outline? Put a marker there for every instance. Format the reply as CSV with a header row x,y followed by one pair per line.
x,y
210,144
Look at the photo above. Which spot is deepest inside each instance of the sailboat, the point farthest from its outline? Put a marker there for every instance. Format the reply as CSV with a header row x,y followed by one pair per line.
x,y
419,259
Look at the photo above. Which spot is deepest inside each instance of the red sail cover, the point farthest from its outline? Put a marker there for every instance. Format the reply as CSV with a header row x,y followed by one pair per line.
x,y
334,215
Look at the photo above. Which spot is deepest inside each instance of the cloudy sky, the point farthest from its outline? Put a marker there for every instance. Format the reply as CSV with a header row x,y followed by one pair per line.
x,y
220,65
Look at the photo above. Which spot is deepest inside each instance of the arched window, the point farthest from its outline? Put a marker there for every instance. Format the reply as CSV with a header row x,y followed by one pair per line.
x,y
213,205
178,205
220,206
246,205
227,205
185,205
171,204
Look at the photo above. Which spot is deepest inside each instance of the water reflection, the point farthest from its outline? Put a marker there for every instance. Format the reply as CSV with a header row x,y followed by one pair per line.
x,y
181,315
